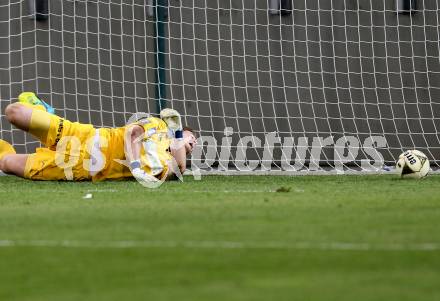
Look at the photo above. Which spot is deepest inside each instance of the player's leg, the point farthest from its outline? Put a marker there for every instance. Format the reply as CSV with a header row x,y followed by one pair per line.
x,y
32,120
13,164
20,113
50,129
10,162
46,127
41,165
31,115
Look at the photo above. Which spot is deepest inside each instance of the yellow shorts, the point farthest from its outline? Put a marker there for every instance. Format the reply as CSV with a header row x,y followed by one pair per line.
x,y
65,152
43,165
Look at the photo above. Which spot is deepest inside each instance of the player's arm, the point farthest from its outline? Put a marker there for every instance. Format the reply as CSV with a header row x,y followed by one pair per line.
x,y
134,135
178,151
133,148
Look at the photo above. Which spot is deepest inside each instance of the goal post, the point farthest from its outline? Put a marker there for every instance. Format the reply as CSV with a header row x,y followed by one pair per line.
x,y
330,84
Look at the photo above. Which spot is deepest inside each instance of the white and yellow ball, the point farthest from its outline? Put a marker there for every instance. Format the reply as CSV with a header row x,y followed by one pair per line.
x,y
412,164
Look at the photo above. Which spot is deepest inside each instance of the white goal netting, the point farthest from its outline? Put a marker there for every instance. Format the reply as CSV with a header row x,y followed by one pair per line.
x,y
331,83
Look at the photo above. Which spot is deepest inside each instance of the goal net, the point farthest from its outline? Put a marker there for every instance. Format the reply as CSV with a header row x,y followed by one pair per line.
x,y
343,84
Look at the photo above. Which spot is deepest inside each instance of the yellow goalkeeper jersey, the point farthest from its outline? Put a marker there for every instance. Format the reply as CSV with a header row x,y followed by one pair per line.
x,y
155,154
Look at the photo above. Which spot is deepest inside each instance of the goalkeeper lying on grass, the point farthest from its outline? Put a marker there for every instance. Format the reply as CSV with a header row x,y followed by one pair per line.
x,y
148,149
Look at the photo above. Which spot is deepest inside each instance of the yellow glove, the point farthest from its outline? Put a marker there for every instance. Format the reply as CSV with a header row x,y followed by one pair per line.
x,y
172,119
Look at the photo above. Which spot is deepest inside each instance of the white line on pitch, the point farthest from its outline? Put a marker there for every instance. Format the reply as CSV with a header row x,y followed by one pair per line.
x,y
229,191
146,244
152,190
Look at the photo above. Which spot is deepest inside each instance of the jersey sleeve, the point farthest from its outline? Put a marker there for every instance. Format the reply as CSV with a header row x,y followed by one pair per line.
x,y
153,126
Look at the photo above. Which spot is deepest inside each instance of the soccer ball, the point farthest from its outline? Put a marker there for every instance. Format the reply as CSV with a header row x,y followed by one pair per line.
x,y
412,164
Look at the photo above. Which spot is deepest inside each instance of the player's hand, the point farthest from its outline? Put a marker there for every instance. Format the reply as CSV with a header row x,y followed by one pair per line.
x,y
140,175
172,119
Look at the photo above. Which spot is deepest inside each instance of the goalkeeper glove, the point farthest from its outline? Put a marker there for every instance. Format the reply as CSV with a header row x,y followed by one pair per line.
x,y
140,174
172,119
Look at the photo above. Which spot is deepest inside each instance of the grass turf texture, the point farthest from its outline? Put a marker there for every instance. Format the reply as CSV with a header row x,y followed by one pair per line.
x,y
222,238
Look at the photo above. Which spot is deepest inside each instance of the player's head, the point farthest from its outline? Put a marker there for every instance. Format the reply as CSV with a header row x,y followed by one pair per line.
x,y
190,139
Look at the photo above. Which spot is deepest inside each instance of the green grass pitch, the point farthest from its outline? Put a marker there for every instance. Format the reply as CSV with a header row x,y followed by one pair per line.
x,y
222,238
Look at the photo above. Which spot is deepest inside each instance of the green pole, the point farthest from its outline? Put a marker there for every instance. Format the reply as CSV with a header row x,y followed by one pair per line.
x,y
161,18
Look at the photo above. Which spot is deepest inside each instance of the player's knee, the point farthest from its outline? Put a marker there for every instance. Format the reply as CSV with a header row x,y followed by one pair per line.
x,y
6,163
13,164
13,112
